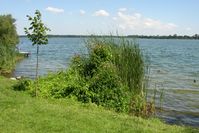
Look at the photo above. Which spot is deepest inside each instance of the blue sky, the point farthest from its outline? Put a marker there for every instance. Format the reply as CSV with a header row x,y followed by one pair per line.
x,y
148,17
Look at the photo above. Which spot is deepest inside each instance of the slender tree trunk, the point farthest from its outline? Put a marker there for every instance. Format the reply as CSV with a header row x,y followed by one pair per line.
x,y
37,66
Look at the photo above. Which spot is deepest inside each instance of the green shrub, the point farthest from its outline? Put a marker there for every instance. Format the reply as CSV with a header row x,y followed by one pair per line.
x,y
108,89
97,54
111,75
22,85
8,41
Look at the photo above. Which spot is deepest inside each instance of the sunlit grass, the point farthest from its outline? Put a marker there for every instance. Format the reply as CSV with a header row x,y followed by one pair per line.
x,y
22,113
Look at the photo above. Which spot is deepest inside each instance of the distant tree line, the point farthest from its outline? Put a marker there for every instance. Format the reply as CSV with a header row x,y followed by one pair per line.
x,y
175,36
8,41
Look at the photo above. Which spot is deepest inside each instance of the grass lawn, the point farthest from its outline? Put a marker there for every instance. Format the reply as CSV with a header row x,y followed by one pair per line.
x,y
22,113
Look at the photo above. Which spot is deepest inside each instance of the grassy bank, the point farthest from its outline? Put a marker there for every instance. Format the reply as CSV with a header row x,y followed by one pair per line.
x,y
22,113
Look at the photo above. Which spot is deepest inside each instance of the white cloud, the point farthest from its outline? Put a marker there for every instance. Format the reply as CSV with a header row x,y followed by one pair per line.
x,y
82,12
122,9
101,13
114,18
122,27
139,23
54,10
188,29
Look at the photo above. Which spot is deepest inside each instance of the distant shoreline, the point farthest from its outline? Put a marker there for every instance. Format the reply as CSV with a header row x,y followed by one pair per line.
x,y
194,37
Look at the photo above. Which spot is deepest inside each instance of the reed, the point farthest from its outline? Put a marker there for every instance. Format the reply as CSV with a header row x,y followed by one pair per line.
x,y
130,63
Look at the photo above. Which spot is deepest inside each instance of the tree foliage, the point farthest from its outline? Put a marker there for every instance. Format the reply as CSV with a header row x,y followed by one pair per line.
x,y
8,41
37,32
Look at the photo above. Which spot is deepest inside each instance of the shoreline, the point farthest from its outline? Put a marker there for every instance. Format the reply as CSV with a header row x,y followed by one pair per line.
x,y
125,36
10,72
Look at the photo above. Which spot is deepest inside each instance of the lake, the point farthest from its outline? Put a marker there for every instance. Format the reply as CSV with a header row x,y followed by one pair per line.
x,y
174,68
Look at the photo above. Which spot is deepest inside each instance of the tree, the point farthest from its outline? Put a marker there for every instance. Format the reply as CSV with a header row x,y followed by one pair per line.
x,y
196,36
37,33
8,41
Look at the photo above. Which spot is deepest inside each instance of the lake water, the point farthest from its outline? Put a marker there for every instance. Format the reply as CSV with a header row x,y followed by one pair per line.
x,y
174,67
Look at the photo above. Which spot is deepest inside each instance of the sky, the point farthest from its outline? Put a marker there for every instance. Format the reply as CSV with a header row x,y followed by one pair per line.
x,y
125,17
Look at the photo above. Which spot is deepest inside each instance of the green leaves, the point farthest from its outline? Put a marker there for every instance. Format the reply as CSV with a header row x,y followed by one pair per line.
x,y
8,41
37,32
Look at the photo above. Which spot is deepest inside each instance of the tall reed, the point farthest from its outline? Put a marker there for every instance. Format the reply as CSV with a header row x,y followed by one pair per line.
x,y
130,63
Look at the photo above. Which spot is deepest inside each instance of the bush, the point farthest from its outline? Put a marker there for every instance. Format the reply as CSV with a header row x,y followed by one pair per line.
x,y
110,75
8,41
22,85
108,89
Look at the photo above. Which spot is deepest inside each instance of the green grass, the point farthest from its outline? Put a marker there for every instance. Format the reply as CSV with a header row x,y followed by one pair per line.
x,y
25,114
